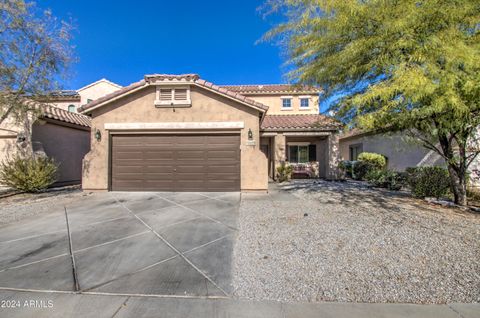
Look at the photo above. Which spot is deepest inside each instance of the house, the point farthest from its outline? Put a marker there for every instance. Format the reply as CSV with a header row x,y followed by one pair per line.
x,y
72,100
401,152
50,131
55,130
182,133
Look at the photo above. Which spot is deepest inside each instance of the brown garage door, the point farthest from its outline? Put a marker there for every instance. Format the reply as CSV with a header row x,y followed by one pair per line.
x,y
175,163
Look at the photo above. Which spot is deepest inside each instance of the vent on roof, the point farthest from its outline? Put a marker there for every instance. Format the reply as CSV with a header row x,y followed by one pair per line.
x,y
180,94
173,97
165,94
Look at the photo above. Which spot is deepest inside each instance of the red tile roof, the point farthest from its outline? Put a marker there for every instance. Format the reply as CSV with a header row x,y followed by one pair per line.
x,y
272,89
188,78
300,122
52,112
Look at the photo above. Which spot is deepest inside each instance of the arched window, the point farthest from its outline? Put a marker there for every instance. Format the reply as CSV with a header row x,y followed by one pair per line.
x,y
71,108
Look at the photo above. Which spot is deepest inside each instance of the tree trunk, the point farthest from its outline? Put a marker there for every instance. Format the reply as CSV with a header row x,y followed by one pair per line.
x,y
458,183
456,165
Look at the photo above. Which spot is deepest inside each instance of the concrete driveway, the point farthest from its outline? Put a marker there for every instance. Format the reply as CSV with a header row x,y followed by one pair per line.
x,y
125,243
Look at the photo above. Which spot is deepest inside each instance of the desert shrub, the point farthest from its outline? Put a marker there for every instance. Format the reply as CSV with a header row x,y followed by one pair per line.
x,y
388,179
284,172
361,169
428,181
377,160
347,167
28,174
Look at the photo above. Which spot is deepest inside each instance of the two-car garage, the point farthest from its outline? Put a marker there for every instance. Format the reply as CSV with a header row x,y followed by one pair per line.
x,y
175,133
181,162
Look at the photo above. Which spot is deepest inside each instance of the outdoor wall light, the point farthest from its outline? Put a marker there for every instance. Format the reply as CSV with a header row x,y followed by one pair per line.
x,y
250,134
98,135
21,137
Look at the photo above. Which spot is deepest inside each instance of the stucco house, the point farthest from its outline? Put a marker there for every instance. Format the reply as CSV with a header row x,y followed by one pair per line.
x,y
182,133
55,130
401,152
72,100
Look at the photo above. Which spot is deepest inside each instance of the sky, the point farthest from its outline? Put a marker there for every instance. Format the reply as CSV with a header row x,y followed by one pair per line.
x,y
123,40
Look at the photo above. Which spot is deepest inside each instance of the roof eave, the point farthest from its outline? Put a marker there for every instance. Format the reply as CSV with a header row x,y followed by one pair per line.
x,y
300,129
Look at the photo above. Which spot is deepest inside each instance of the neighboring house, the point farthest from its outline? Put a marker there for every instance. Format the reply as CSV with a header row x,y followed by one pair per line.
x,y
401,152
56,130
72,100
181,133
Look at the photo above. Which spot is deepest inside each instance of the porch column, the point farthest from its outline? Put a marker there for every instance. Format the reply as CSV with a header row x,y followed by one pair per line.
x,y
333,156
280,151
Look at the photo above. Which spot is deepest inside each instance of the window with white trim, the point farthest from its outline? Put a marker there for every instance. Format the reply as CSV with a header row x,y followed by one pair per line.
x,y
172,96
286,103
304,102
71,108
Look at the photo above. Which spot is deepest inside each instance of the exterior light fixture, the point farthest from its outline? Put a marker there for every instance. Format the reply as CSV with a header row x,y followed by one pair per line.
x,y
98,135
250,134
21,137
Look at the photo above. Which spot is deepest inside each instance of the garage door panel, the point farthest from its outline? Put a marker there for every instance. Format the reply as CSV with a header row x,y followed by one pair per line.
x,y
222,169
190,169
159,169
118,169
190,154
163,177
119,155
159,154
175,162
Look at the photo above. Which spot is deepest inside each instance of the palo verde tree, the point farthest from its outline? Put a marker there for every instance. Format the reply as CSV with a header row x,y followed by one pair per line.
x,y
35,50
420,58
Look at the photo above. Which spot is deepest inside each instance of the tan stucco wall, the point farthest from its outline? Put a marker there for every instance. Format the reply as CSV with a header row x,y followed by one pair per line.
x,y
400,152
9,130
66,145
206,107
93,92
96,91
274,102
64,104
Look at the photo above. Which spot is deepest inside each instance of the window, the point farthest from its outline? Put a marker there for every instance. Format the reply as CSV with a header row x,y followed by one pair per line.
x,y
71,108
172,97
89,100
286,102
355,150
304,103
302,153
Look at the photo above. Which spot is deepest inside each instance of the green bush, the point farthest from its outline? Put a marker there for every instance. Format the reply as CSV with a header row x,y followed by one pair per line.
x,y
361,169
377,160
388,179
29,175
284,172
428,181
347,167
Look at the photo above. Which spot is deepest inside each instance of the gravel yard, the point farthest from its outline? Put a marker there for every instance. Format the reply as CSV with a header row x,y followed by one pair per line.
x,y
20,206
330,241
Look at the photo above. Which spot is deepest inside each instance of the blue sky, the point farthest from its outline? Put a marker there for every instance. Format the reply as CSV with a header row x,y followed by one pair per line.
x,y
123,40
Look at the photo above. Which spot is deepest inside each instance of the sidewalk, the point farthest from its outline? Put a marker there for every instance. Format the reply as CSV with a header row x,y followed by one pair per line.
x,y
43,304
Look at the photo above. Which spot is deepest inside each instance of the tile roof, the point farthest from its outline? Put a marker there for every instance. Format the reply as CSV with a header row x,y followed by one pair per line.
x,y
272,89
52,112
300,122
188,78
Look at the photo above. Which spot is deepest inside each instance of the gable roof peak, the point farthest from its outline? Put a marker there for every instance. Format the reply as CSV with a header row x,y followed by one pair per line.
x,y
154,78
102,80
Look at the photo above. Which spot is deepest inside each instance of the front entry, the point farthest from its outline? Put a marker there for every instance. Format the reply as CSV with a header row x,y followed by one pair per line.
x,y
175,162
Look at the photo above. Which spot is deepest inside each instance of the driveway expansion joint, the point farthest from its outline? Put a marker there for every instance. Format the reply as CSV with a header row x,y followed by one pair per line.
x,y
199,213
173,247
